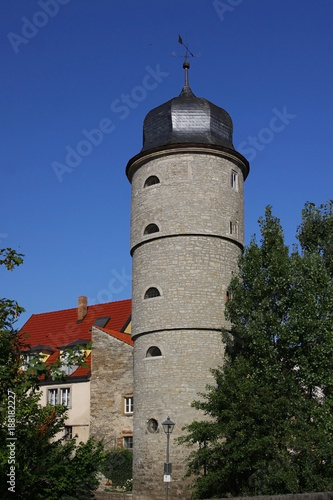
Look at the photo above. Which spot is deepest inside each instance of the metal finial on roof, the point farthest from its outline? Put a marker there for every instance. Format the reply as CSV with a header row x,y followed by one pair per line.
x,y
186,66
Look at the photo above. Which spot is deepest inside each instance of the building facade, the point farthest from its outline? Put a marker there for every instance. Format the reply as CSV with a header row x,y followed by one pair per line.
x,y
99,396
187,231
111,388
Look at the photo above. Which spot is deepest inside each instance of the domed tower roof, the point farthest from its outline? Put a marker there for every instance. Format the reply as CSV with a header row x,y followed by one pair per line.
x,y
187,119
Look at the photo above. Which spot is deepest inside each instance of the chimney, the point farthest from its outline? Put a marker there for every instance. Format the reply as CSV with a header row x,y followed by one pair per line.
x,y
82,308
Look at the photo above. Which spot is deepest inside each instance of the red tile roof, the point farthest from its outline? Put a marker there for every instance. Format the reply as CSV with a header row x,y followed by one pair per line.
x,y
59,328
124,337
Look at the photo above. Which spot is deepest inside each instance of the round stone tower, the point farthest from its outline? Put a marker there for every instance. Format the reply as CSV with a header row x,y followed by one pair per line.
x,y
187,231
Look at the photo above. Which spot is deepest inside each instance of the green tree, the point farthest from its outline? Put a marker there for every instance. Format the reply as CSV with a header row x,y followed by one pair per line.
x,y
315,233
36,465
117,466
270,426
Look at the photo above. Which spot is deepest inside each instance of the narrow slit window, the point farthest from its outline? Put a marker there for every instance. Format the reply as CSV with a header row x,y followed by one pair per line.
x,y
234,180
151,228
233,228
151,180
227,296
151,293
236,228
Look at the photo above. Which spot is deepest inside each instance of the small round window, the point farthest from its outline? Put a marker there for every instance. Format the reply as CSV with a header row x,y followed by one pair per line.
x,y
153,351
151,228
151,180
151,293
152,425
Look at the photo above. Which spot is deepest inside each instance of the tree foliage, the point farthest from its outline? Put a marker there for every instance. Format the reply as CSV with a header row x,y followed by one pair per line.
x,y
270,425
117,466
44,466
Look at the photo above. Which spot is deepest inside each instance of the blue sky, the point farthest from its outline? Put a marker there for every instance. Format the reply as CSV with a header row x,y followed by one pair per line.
x,y
70,67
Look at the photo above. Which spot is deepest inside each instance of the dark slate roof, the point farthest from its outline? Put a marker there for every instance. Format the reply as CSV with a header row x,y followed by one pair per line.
x,y
187,119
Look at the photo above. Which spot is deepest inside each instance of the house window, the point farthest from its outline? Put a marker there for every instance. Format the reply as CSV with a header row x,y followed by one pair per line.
x,y
151,293
68,432
65,396
66,367
151,180
234,180
128,442
59,396
128,405
52,397
153,351
151,228
26,361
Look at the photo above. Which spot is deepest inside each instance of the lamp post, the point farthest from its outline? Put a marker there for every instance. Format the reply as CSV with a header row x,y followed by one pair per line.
x,y
168,426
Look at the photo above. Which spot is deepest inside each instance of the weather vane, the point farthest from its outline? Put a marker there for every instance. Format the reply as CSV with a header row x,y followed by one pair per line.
x,y
188,54
187,50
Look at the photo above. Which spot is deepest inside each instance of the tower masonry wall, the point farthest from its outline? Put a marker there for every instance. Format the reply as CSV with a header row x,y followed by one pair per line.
x,y
165,386
192,274
192,256
194,196
197,206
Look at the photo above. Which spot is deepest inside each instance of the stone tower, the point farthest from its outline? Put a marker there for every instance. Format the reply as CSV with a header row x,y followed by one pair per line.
x,y
187,231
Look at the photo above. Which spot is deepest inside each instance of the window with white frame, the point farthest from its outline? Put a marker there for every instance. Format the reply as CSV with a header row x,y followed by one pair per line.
x,y
128,405
65,396
52,397
61,396
128,442
234,180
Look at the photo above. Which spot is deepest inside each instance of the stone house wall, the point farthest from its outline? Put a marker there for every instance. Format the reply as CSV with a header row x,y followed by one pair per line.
x,y
111,381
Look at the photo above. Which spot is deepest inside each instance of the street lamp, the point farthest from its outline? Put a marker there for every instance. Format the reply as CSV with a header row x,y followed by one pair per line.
x,y
168,426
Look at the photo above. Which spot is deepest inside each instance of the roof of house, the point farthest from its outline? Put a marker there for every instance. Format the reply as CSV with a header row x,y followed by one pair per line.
x,y
56,330
124,337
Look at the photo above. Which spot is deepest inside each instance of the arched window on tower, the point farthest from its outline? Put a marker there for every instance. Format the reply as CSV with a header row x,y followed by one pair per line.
x,y
151,180
153,351
151,293
151,228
